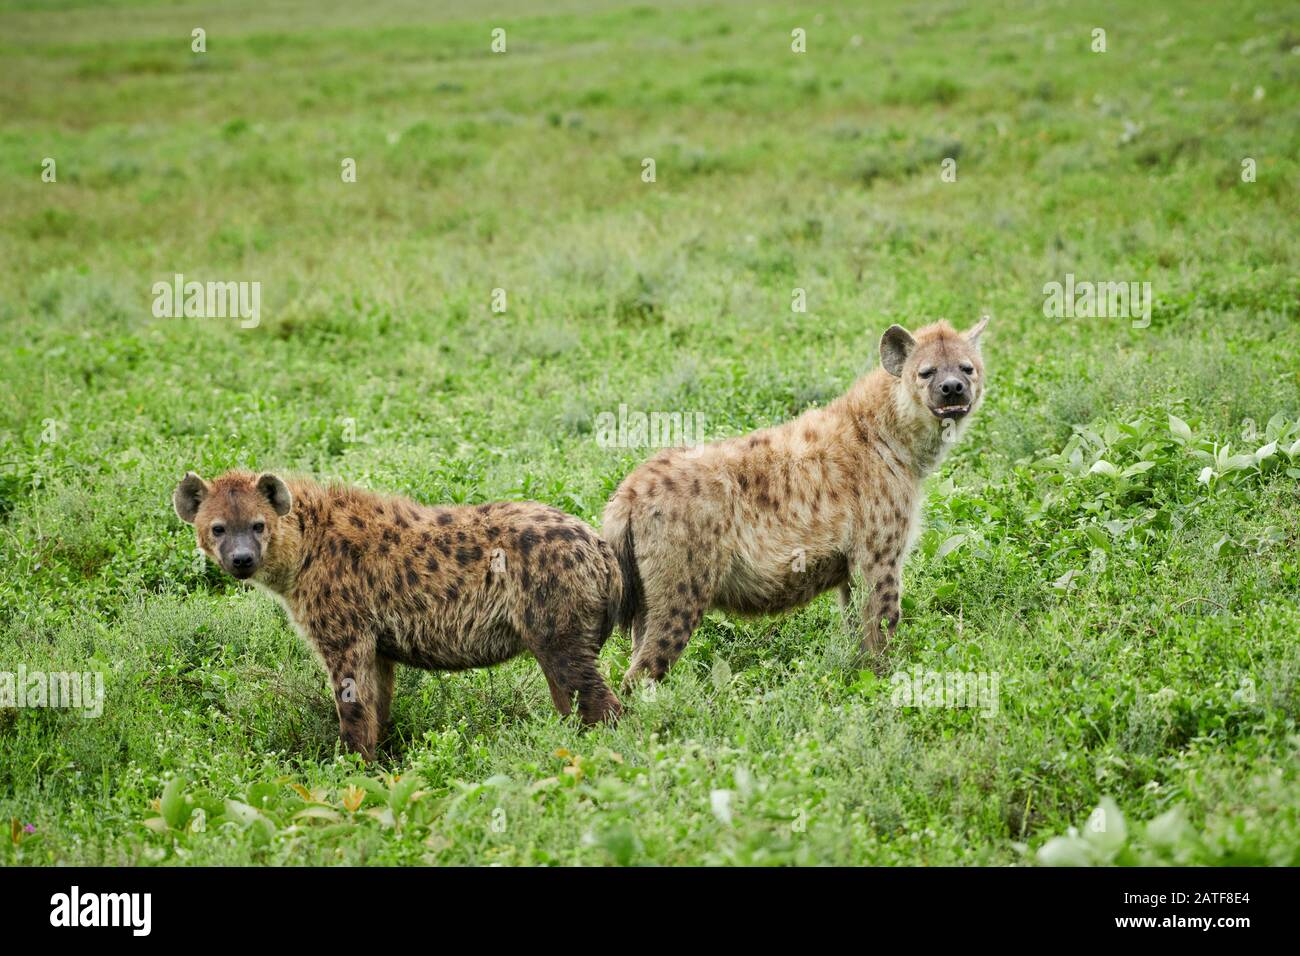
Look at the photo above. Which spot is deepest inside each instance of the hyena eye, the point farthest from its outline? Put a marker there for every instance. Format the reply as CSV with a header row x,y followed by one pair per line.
x,y
968,369
926,372
259,526
218,530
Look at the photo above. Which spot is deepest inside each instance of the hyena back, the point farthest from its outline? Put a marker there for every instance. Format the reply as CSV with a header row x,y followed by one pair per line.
x,y
766,522
371,581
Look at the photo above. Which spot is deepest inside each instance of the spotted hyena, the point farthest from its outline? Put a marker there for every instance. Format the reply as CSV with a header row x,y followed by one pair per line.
x,y
768,521
374,580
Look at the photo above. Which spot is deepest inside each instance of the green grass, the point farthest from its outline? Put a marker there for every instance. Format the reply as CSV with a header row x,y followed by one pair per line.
x,y
1162,674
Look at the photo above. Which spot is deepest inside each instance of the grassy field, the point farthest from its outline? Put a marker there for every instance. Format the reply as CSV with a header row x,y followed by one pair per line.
x,y
1140,615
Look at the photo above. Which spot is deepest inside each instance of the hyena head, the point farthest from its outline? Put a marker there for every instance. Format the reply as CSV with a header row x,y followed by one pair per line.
x,y
234,517
940,371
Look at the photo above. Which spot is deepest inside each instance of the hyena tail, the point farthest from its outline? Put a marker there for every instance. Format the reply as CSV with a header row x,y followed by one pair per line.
x,y
617,532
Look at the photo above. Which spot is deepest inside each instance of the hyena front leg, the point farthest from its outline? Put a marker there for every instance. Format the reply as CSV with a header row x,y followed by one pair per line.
x,y
355,675
881,571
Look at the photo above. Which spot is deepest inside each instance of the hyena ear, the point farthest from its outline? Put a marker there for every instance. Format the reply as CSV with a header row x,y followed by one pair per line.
x,y
895,346
277,492
972,335
187,497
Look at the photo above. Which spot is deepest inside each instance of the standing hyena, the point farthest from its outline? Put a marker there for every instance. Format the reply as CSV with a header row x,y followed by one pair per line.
x,y
371,581
766,522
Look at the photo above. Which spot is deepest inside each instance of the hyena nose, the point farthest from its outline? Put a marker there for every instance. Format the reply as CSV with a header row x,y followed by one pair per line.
x,y
242,560
953,388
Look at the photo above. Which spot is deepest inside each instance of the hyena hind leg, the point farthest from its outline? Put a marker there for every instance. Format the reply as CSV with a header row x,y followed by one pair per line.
x,y
571,670
664,636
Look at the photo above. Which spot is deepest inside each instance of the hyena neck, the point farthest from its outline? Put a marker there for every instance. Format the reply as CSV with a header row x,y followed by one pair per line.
x,y
910,439
296,536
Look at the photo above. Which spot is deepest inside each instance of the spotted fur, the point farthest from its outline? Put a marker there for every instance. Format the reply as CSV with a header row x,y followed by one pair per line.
x,y
767,521
371,581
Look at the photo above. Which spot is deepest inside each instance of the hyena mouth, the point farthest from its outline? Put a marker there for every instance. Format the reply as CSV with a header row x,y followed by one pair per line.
x,y
949,411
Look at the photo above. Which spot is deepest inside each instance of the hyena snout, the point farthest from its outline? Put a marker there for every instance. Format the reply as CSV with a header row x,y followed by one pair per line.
x,y
950,398
242,563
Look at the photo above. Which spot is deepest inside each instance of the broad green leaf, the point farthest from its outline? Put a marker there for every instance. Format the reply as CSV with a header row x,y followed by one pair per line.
x,y
384,815
1139,468
318,813
175,808
1169,829
1097,537
1105,828
1102,467
1224,547
721,674
400,795
1065,851
949,546
1275,426
1066,580
1179,428
242,813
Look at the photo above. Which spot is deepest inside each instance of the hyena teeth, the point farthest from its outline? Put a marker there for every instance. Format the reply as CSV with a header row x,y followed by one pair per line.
x,y
372,581
768,521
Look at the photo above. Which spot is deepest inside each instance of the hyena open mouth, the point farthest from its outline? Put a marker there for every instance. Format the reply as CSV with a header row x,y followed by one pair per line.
x,y
949,411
